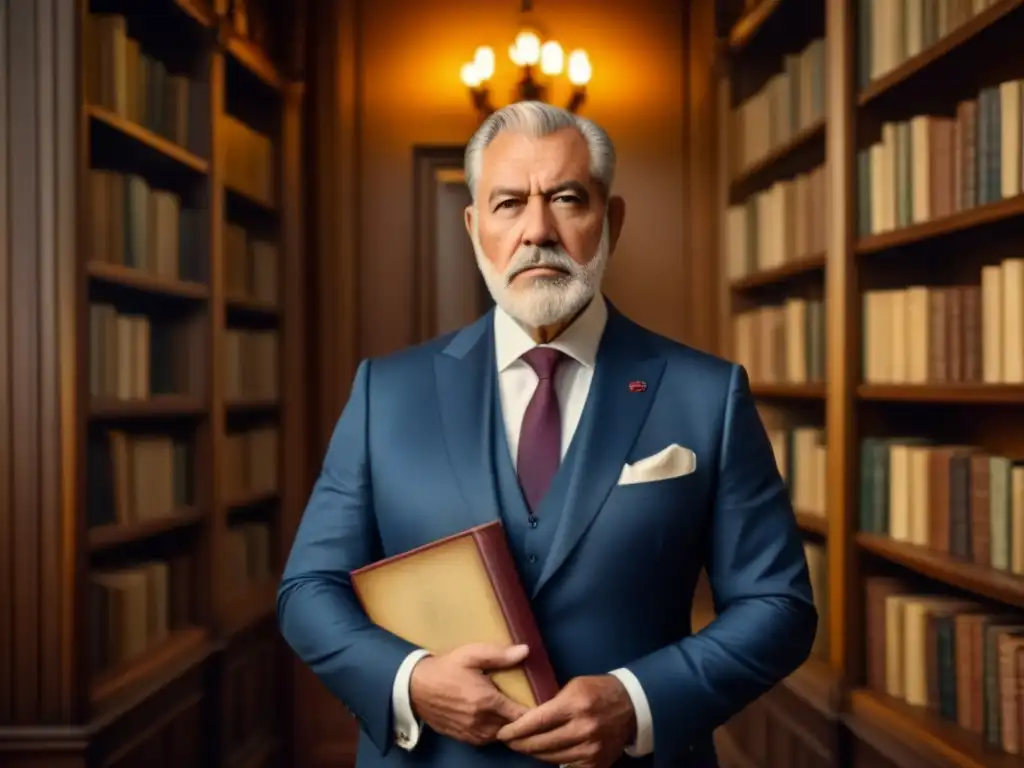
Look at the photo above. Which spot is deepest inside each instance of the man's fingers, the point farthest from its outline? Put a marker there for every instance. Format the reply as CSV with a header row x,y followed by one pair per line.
x,y
546,717
508,709
490,657
550,743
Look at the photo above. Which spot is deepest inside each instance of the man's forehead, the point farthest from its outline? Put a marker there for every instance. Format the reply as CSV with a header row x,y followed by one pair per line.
x,y
561,154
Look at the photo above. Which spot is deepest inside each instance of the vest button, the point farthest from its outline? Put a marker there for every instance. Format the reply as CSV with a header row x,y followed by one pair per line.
x,y
533,521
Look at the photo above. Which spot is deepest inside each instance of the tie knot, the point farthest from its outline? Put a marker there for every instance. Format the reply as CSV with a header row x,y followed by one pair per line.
x,y
544,361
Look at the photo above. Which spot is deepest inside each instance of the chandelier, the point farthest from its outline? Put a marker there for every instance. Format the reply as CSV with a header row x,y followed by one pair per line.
x,y
540,62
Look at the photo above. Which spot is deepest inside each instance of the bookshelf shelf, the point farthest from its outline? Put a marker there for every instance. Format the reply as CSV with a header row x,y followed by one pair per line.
x,y
782,391
744,30
163,148
252,499
181,648
990,214
128,277
111,536
968,394
252,405
158,407
812,523
987,582
780,275
782,161
251,306
256,62
917,67
881,717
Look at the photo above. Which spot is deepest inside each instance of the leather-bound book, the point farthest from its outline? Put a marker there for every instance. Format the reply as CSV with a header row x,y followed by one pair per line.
x,y
458,590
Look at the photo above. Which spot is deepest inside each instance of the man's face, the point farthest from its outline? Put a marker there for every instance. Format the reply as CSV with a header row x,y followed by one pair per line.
x,y
539,225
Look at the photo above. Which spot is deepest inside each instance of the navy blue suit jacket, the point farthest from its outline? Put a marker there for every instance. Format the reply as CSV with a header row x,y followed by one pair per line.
x,y
410,462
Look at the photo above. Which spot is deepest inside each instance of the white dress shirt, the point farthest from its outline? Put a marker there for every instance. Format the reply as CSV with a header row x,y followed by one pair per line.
x,y
516,385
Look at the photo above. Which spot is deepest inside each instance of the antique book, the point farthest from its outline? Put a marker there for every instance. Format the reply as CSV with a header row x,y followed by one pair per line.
x,y
461,589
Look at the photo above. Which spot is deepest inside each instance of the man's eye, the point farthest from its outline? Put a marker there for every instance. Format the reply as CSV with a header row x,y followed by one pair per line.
x,y
569,199
506,204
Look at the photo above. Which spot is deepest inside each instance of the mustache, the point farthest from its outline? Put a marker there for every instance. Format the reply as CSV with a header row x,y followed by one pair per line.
x,y
533,257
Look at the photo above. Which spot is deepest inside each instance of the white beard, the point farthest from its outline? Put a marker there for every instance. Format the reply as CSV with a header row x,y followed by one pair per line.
x,y
537,302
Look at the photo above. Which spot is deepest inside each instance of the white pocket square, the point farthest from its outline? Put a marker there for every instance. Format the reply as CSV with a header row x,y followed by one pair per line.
x,y
673,461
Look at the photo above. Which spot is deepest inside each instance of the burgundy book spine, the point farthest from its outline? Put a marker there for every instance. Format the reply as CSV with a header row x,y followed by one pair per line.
x,y
515,605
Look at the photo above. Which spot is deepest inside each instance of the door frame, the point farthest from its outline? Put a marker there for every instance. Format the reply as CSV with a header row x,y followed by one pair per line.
x,y
433,164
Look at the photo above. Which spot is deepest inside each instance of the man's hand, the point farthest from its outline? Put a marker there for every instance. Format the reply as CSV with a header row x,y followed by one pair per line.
x,y
589,723
454,697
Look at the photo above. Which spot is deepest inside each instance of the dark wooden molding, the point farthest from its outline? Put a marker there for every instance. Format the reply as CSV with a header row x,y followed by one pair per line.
x,y
427,162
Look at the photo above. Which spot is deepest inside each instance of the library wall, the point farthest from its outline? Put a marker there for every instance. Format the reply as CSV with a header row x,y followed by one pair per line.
x,y
870,211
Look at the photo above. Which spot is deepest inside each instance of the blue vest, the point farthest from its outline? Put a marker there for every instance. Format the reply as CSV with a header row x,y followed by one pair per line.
x,y
529,536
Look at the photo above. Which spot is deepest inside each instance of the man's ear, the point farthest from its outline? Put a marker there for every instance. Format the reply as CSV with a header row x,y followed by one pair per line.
x,y
616,217
470,213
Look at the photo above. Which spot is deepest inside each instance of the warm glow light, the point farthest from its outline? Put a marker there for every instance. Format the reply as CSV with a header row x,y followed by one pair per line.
x,y
527,47
579,68
551,58
483,62
470,76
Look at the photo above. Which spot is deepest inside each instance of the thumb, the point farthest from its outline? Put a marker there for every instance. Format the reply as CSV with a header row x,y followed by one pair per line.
x,y
509,709
485,656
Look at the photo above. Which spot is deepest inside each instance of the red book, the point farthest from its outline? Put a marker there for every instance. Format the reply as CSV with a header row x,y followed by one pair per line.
x,y
458,590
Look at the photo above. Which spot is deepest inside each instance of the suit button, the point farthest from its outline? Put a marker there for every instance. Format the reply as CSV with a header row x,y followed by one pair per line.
x,y
532,558
533,521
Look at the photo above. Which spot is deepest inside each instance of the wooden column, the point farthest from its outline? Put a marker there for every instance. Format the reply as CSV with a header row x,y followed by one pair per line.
x,y
41,684
841,336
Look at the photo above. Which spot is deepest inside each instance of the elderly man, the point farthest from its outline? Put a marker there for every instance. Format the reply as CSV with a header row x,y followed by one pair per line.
x,y
620,464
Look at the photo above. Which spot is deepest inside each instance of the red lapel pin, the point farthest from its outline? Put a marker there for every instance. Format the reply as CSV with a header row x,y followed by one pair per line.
x,y
638,386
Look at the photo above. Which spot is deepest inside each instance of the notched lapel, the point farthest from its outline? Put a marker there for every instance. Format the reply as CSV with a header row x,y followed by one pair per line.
x,y
465,376
626,379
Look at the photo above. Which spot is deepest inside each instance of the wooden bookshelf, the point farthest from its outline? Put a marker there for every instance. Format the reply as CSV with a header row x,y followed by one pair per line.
x,y
922,281
157,550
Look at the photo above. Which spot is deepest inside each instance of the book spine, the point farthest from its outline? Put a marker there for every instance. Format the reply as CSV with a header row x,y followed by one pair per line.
x,y
515,606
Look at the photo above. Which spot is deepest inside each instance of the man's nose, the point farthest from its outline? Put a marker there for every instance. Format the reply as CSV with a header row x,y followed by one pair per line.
x,y
539,226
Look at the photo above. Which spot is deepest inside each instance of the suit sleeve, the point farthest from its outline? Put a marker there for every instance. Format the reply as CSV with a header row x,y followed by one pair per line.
x,y
757,570
319,614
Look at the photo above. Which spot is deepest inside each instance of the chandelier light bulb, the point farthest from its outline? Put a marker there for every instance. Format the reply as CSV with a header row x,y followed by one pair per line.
x,y
483,63
470,76
552,59
527,47
579,68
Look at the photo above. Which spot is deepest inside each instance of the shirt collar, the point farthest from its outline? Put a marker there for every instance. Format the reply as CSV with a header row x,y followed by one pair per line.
x,y
579,341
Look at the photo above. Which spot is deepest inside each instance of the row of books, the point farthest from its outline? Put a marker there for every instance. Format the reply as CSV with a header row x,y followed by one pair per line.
x,y
126,80
136,477
933,166
782,344
248,560
251,361
249,161
250,265
801,457
787,222
136,225
791,101
891,31
133,609
251,462
134,357
953,657
957,500
948,334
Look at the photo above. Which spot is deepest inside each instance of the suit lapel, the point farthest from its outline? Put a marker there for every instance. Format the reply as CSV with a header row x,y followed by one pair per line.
x,y
465,377
611,422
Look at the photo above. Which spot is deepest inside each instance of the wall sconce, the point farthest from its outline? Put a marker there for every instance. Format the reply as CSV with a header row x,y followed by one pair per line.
x,y
538,60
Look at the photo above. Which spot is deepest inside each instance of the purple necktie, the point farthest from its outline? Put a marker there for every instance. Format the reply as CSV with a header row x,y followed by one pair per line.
x,y
540,440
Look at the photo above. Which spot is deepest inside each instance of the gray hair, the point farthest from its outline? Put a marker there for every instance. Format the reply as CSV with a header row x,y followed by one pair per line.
x,y
537,118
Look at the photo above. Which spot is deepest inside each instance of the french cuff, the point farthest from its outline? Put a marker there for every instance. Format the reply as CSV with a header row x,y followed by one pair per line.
x,y
644,744
406,727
